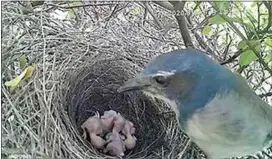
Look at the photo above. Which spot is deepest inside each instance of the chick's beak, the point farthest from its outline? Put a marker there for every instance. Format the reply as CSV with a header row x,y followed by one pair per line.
x,y
137,83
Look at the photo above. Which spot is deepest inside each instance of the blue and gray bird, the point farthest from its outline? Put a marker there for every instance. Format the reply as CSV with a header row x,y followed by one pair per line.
x,y
213,105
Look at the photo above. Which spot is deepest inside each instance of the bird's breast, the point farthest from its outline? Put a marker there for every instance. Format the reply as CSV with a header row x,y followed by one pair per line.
x,y
225,127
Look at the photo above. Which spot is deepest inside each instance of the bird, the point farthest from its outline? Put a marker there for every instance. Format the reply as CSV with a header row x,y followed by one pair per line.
x,y
115,146
113,120
93,126
129,131
107,120
118,122
214,106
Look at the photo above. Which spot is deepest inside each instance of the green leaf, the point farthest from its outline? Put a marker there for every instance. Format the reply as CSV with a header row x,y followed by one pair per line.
x,y
137,10
29,72
254,43
247,57
254,4
197,10
236,19
37,3
207,30
242,45
22,61
223,6
76,2
217,19
268,41
71,14
15,82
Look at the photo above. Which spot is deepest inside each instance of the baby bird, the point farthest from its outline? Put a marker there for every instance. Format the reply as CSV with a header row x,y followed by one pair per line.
x,y
118,122
129,131
107,120
97,141
116,145
94,127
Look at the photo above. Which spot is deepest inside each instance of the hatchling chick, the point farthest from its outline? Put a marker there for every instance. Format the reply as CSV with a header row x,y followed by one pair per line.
x,y
94,127
107,120
118,122
116,146
129,131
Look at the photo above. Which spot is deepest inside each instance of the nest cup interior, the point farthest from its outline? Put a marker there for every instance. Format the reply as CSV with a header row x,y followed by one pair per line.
x,y
94,88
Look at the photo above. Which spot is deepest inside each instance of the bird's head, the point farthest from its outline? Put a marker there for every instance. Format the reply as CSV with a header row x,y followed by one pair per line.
x,y
188,77
172,74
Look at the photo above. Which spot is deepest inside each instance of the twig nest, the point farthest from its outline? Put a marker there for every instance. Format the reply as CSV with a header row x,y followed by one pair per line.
x,y
94,89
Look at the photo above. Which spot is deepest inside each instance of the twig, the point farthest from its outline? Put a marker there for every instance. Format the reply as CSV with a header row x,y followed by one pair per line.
x,y
112,12
165,5
153,15
202,43
268,6
145,15
265,30
82,5
268,94
232,58
259,15
227,48
179,6
88,14
204,22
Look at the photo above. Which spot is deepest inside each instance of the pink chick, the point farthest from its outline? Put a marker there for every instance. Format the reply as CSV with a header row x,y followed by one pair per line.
x,y
129,131
118,122
116,145
93,126
97,141
107,120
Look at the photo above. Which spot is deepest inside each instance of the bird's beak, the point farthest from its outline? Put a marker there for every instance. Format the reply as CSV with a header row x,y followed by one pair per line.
x,y
137,83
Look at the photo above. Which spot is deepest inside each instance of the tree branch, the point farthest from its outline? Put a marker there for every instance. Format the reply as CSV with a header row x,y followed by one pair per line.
x,y
265,94
269,8
200,40
153,15
232,58
165,5
83,5
185,33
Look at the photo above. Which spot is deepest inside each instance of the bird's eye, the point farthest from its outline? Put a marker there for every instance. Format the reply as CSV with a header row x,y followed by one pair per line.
x,y
162,80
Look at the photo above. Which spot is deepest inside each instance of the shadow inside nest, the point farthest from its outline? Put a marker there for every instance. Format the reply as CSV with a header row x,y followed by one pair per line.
x,y
94,89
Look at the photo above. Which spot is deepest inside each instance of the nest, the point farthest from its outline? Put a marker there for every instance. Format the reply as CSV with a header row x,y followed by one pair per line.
x,y
94,88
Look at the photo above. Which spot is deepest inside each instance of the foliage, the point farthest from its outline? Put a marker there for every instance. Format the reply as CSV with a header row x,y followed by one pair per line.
x,y
238,34
249,25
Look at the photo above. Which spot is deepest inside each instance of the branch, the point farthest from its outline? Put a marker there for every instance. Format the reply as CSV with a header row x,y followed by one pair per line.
x,y
153,15
82,5
268,94
268,6
179,6
226,50
232,58
165,5
112,12
266,29
200,40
